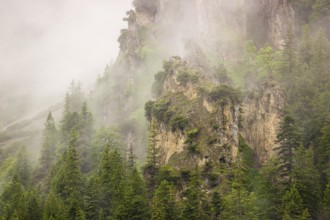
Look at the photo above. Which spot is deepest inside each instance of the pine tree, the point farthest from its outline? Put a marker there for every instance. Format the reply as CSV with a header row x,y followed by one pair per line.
x,y
288,139
305,55
111,175
23,168
13,199
48,148
33,206
193,196
53,207
320,59
323,152
130,155
73,210
270,190
151,168
325,205
85,138
292,206
69,181
289,55
92,199
216,206
134,204
163,204
239,202
152,153
306,179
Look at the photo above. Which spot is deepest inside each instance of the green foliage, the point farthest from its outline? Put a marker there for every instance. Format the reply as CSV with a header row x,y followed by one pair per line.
x,y
168,174
186,76
53,207
33,206
325,206
220,93
164,110
157,87
178,122
134,203
323,152
216,206
191,140
288,138
292,205
192,205
23,168
68,181
164,206
111,176
12,199
48,148
160,110
270,190
148,109
239,202
266,60
307,180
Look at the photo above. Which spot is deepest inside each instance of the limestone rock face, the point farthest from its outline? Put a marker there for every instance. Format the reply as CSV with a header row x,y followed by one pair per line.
x,y
262,114
269,20
190,127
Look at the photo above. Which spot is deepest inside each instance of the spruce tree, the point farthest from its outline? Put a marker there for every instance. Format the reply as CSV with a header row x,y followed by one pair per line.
x,y
323,152
192,204
292,206
23,168
13,199
325,205
164,206
48,148
69,181
306,179
151,168
288,139
85,138
134,205
111,176
239,202
33,206
92,199
216,206
53,207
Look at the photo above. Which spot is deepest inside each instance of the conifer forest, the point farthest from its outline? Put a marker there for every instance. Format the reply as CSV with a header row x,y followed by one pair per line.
x,y
211,110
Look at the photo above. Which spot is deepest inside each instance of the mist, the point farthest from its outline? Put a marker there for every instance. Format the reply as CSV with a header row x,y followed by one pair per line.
x,y
45,44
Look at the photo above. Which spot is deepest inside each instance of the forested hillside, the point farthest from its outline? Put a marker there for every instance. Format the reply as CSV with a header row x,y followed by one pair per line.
x,y
212,110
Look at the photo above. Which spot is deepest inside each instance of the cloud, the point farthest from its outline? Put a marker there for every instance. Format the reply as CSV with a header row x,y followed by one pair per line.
x,y
44,44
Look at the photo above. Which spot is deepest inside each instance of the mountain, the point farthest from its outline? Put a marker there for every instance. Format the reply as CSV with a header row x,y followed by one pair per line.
x,y
213,109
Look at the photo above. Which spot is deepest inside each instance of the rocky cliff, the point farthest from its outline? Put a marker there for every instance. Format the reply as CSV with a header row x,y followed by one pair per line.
x,y
193,120
262,112
209,34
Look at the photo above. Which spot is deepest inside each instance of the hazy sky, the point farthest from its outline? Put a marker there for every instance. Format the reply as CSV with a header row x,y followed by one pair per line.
x,y
44,44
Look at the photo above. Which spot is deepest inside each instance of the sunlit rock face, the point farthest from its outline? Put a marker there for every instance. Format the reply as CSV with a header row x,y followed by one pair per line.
x,y
211,129
262,112
190,126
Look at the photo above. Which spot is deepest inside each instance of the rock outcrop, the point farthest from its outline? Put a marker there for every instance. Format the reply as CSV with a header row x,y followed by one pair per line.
x,y
208,33
193,120
262,112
